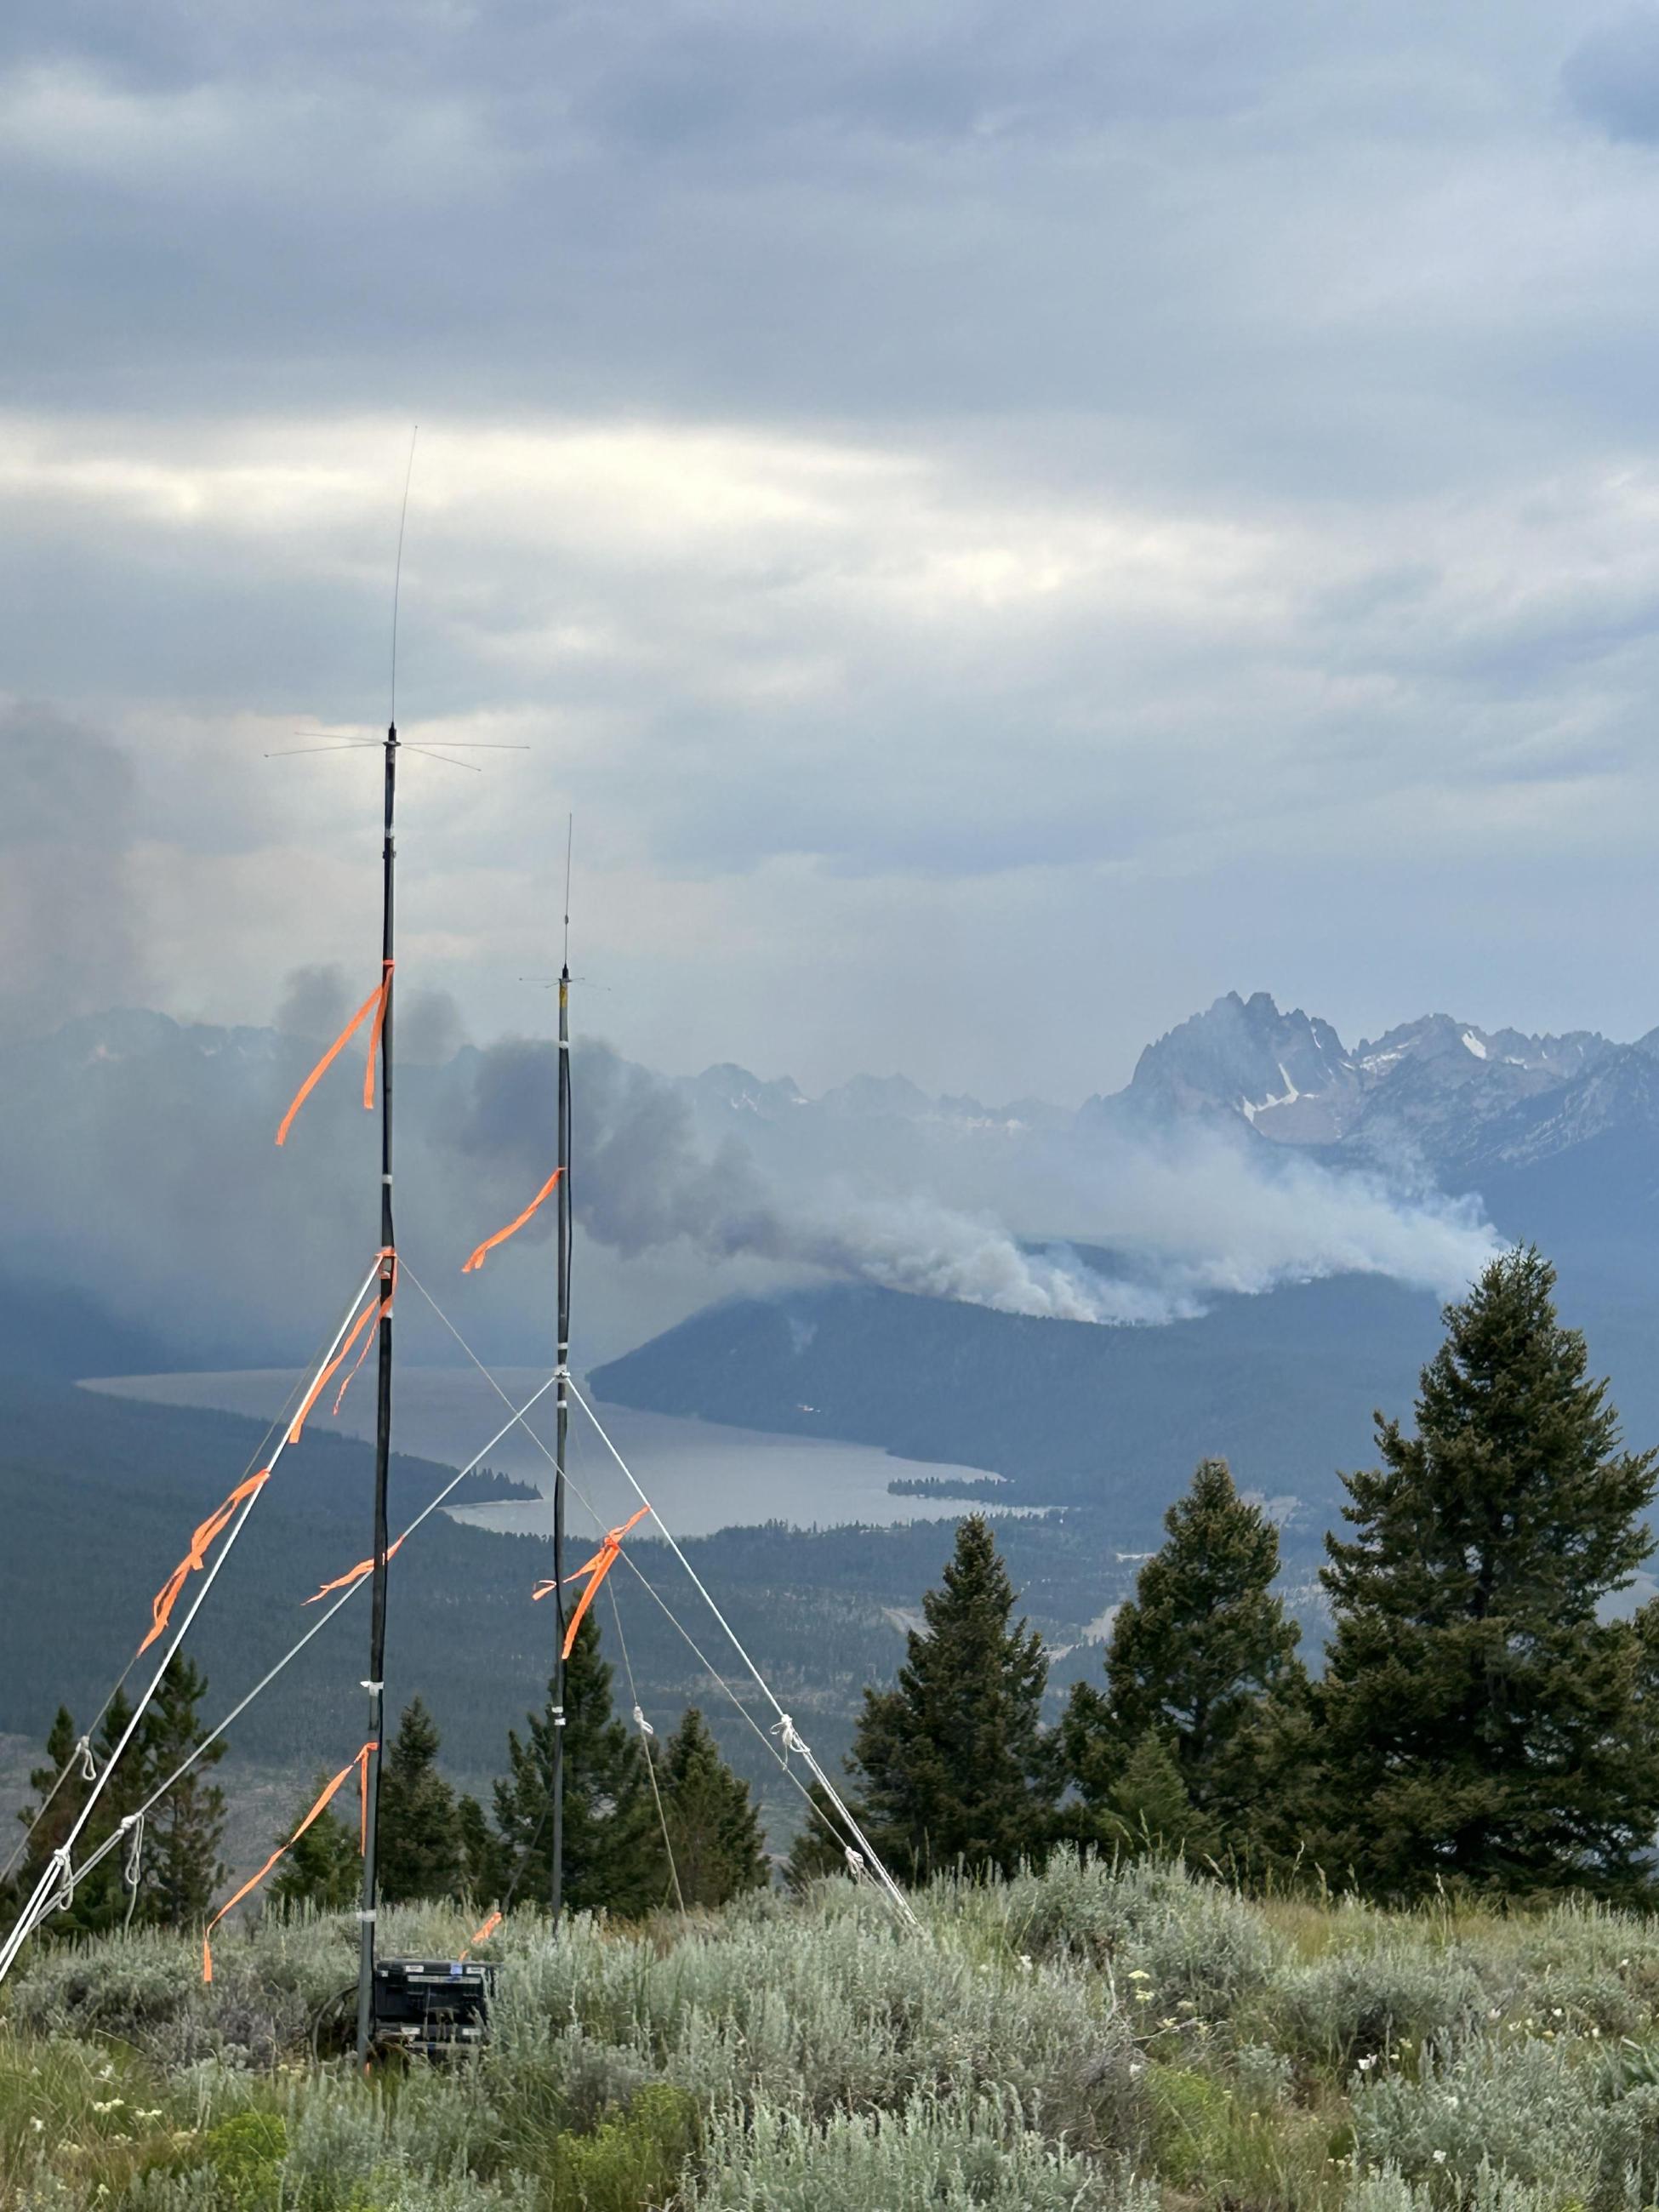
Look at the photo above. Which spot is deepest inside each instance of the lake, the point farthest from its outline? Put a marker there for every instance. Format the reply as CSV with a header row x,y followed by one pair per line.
x,y
702,1476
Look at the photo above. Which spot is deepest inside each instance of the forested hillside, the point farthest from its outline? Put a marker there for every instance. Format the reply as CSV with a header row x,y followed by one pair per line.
x,y
98,1495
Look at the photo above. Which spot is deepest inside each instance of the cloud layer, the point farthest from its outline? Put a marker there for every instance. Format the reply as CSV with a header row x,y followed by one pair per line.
x,y
1001,526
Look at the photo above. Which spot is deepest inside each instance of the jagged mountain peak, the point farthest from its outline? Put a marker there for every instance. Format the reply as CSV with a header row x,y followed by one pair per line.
x,y
1286,1071
734,1090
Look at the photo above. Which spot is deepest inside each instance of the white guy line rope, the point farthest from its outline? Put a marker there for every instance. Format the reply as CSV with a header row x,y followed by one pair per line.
x,y
56,1873
316,1629
82,1750
778,1756
793,1741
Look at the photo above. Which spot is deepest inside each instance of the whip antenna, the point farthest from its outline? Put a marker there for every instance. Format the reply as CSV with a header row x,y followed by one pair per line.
x,y
397,571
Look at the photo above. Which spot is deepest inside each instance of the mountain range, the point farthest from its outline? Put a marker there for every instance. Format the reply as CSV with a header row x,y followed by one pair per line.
x,y
1436,1096
754,1243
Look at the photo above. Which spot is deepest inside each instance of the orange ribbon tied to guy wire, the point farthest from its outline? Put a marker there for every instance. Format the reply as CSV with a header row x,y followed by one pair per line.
x,y
195,1560
354,1573
596,1569
375,1004
482,1935
513,1227
361,1764
376,1310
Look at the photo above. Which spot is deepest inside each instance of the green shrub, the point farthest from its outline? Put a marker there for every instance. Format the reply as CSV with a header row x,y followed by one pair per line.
x,y
1519,2108
1195,1941
245,2156
632,2159
1354,2008
1489,2192
933,2155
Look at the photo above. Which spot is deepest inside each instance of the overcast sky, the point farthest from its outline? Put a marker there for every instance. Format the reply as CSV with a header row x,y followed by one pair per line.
x,y
1003,523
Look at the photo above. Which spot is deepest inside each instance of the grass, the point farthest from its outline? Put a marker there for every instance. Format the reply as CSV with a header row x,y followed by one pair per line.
x,y
1096,2039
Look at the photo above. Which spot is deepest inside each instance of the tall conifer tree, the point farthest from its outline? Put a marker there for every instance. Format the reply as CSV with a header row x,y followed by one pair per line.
x,y
613,1853
954,1764
181,1867
1481,1723
420,1844
1193,1659
711,1824
324,1868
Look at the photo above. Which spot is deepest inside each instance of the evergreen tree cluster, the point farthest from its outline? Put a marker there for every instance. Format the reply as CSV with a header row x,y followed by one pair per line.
x,y
164,1874
643,1824
621,1854
1481,1721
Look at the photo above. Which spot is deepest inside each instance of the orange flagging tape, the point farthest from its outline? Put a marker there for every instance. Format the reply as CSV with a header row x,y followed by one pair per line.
x,y
482,1935
513,1227
375,1003
361,1763
596,1569
162,1603
355,1574
375,1311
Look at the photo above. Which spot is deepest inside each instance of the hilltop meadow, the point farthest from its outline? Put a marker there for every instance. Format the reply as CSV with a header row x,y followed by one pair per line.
x,y
1098,2037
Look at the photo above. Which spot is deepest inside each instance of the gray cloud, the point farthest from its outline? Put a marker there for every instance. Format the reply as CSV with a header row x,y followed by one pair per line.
x,y
1001,523
1612,75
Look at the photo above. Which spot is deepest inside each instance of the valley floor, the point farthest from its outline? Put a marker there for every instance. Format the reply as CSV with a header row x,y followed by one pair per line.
x,y
1099,2040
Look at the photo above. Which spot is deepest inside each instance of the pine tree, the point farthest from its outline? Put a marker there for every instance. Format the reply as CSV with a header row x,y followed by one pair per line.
x,y
60,1790
100,1901
711,1824
1194,1658
483,1870
418,1844
613,1853
1148,1809
179,1856
324,1868
1480,1724
954,1764
817,1849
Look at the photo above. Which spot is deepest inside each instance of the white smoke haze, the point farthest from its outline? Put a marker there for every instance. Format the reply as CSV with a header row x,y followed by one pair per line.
x,y
1188,1216
140,1168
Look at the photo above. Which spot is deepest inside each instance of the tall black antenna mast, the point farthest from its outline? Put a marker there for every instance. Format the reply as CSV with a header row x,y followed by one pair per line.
x,y
375,1684
562,1403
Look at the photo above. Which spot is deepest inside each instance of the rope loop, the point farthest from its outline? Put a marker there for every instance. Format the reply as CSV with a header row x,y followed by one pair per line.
x,y
133,1871
89,1763
785,1730
641,1723
62,1872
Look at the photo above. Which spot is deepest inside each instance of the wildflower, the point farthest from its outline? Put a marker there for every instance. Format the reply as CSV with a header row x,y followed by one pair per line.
x,y
1366,2064
1145,1996
1139,1974
38,2125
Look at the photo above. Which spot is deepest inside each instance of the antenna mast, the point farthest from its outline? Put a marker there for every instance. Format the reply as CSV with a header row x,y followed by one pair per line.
x,y
561,1422
375,1684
